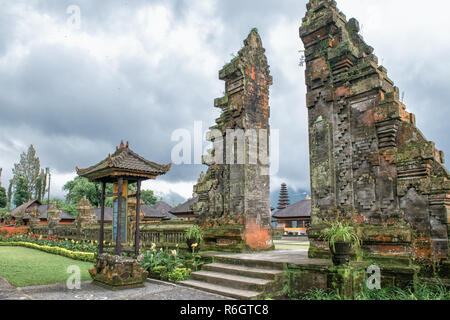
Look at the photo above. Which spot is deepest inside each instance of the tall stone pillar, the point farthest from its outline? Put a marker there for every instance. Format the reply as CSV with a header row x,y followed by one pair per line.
x,y
234,194
370,164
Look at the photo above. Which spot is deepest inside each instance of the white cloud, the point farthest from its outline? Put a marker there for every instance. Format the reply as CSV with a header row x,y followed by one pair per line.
x,y
166,62
163,188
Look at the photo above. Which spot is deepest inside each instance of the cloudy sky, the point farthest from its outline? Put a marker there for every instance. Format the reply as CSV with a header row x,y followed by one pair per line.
x,y
138,70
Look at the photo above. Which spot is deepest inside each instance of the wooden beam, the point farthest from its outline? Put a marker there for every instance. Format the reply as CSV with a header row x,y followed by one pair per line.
x,y
102,219
119,216
109,195
137,232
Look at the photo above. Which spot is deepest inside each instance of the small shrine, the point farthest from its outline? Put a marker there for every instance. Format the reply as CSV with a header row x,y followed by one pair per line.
x,y
53,217
118,265
86,215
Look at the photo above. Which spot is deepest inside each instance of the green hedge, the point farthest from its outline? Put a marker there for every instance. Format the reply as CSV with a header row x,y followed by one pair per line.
x,y
81,256
177,275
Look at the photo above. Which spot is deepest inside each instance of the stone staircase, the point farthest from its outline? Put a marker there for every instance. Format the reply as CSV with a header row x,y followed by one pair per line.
x,y
237,278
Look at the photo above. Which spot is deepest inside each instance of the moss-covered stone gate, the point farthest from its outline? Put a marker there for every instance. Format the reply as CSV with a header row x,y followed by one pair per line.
x,y
234,197
369,162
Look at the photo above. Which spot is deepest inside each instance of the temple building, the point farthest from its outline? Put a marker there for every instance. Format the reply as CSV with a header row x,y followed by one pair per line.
x,y
185,211
23,212
295,218
158,212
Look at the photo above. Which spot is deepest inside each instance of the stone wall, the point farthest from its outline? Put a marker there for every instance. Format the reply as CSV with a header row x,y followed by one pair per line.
x,y
164,234
235,195
369,162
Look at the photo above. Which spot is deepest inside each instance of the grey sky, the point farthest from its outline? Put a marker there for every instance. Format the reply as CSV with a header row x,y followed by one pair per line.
x,y
138,70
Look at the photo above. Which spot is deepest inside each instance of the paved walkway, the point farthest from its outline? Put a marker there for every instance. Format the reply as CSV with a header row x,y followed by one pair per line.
x,y
153,290
8,292
291,244
284,256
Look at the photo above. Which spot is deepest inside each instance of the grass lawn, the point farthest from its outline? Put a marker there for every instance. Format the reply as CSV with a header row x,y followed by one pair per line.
x,y
24,267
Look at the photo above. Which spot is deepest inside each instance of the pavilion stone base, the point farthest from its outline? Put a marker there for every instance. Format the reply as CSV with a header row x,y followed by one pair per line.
x,y
118,273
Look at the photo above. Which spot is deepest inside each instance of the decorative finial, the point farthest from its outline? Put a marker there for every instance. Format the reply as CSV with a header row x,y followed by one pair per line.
x,y
128,145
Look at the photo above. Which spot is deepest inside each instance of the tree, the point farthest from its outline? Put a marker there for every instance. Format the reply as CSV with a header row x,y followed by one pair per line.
x,y
41,185
10,191
148,197
22,193
29,168
3,198
81,187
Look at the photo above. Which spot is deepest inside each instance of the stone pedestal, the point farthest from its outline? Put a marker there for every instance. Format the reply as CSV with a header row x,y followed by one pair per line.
x,y
118,273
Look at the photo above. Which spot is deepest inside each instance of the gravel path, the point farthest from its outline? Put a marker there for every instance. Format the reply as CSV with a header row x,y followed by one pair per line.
x,y
153,290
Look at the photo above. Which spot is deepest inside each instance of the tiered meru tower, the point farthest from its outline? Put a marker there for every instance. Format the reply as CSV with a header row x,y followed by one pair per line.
x,y
234,197
283,201
369,162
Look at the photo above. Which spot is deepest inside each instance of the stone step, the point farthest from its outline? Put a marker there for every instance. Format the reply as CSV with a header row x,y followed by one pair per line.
x,y
260,264
232,281
240,270
222,290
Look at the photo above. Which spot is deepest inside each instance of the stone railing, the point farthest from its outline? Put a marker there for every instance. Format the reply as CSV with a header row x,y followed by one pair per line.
x,y
163,234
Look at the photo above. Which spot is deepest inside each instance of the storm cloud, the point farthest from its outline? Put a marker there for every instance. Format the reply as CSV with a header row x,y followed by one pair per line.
x,y
138,70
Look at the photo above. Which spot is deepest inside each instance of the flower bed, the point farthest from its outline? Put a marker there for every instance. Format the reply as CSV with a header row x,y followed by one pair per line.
x,y
50,241
78,250
13,230
166,265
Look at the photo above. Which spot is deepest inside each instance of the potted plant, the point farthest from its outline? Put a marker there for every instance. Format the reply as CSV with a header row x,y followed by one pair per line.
x,y
194,235
341,237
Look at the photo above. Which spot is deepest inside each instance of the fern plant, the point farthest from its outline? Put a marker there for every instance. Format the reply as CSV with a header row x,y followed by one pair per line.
x,y
194,233
339,231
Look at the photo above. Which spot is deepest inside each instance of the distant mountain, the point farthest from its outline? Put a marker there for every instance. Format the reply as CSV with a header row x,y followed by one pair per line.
x,y
172,198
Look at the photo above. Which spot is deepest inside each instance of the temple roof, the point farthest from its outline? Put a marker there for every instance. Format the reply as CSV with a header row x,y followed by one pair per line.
x,y
158,210
124,162
185,207
301,209
43,211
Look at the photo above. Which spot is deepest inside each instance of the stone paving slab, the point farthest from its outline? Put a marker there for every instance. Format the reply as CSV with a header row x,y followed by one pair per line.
x,y
299,257
152,291
8,292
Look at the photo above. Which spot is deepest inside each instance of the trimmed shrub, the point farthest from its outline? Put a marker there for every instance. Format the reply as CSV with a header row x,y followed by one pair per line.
x,y
81,256
179,274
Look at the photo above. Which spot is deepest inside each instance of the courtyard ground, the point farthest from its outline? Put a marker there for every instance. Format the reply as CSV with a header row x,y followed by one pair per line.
x,y
292,244
27,274
153,290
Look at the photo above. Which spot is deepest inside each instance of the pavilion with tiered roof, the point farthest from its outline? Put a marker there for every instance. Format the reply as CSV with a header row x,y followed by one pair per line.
x,y
121,168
